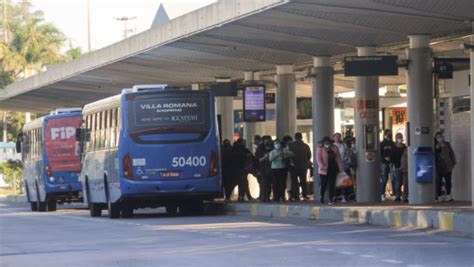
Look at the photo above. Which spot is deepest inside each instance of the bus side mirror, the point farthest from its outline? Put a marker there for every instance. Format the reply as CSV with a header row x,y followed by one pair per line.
x,y
19,139
79,134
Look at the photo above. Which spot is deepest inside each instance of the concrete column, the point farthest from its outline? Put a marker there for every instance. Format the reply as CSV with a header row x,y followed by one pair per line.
x,y
250,128
420,113
285,101
323,109
472,115
225,108
367,121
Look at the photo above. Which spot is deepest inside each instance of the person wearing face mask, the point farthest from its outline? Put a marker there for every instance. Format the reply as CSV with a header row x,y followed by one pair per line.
x,y
278,157
386,147
445,162
395,165
265,167
329,165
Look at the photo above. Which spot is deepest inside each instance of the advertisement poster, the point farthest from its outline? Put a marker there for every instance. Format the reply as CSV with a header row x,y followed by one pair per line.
x,y
399,119
60,143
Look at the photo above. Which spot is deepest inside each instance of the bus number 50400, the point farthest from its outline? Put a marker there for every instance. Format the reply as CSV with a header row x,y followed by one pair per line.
x,y
189,162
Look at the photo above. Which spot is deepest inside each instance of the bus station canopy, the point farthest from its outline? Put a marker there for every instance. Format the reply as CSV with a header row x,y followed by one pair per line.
x,y
229,37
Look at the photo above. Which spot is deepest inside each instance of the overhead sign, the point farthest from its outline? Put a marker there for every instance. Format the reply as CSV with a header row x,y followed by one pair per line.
x,y
371,66
224,89
254,103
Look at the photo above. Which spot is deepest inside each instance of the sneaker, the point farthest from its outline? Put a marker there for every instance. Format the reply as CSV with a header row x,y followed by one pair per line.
x,y
449,198
397,199
330,203
343,200
383,198
441,198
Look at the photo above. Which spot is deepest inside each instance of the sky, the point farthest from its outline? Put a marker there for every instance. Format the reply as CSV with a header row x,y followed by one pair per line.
x,y
71,17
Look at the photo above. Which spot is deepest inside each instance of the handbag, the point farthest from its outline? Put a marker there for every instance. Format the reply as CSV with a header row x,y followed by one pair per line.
x,y
343,180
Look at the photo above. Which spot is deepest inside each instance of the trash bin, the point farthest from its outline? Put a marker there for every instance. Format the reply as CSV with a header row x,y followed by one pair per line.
x,y
424,164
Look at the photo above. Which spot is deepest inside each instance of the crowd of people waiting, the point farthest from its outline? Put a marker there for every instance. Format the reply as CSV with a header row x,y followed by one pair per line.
x,y
272,162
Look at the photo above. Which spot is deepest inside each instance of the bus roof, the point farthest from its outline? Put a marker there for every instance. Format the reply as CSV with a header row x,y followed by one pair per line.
x,y
106,103
37,123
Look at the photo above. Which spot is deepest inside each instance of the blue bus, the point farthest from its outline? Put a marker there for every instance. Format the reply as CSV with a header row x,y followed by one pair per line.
x,y
51,162
152,147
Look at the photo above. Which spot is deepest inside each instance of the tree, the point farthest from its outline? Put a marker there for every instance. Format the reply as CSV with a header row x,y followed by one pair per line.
x,y
15,121
11,170
32,43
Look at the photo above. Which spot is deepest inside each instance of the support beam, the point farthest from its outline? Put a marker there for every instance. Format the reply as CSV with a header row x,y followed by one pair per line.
x,y
323,109
472,115
420,113
367,128
225,110
285,101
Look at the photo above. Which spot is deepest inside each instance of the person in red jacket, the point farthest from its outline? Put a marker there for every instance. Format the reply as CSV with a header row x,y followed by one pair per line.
x,y
329,165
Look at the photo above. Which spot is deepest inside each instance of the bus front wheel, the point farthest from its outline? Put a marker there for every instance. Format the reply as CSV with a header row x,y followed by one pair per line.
x,y
41,206
95,210
172,210
114,210
34,206
127,211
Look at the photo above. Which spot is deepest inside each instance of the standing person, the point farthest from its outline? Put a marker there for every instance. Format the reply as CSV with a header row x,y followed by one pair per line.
x,y
278,158
290,164
404,171
227,168
240,154
257,141
338,142
301,159
445,162
386,147
349,160
329,165
262,155
395,165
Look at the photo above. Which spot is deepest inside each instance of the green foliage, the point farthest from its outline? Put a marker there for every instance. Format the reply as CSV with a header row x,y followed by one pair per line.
x,y
12,172
15,121
32,43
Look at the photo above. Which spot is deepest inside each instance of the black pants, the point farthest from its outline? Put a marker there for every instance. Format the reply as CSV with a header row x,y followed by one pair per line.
x,y
328,182
279,184
447,183
267,181
295,184
244,187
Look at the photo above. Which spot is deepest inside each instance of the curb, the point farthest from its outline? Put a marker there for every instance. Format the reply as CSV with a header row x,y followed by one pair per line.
x,y
446,221
14,199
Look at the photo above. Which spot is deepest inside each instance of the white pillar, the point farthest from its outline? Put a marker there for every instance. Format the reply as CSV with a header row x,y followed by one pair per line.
x,y
367,121
225,108
472,115
250,128
323,110
285,101
420,113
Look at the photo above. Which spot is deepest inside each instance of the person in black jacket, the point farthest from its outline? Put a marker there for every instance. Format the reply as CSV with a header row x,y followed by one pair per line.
x,y
265,168
445,162
395,165
386,147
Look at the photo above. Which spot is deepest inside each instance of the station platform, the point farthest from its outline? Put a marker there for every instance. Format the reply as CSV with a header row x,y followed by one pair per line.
x,y
456,217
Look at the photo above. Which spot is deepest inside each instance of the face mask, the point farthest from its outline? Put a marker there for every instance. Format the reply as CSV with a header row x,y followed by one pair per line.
x,y
353,146
399,140
327,145
277,146
440,139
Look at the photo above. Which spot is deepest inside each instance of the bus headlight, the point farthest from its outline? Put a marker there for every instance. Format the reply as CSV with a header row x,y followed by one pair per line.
x,y
51,179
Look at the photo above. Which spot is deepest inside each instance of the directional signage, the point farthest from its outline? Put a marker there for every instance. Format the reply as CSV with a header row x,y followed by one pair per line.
x,y
371,66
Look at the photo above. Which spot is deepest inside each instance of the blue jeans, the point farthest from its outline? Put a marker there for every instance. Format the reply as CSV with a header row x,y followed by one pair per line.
x,y
385,171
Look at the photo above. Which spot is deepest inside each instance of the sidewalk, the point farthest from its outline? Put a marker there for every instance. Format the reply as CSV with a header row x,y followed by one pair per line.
x,y
455,217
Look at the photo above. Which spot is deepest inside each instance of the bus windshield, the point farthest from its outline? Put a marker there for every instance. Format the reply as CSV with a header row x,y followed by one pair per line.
x,y
60,143
168,117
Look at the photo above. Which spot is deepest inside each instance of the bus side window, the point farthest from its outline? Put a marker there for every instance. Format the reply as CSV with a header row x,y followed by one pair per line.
x,y
106,129
88,130
118,118
94,123
102,129
112,128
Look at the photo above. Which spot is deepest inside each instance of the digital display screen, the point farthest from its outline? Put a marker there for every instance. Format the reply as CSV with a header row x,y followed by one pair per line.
x,y
254,103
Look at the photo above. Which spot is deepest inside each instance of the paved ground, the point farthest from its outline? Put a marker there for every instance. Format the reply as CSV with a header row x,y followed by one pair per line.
x,y
69,237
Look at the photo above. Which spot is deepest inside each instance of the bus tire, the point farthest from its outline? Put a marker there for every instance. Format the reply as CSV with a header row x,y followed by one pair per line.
x,y
172,210
41,206
127,211
34,206
95,210
114,210
52,204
